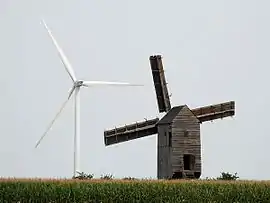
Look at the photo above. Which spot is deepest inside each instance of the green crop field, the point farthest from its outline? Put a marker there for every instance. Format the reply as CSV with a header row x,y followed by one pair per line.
x,y
96,190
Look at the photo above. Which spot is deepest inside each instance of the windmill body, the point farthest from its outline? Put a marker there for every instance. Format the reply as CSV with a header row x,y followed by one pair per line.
x,y
76,87
179,138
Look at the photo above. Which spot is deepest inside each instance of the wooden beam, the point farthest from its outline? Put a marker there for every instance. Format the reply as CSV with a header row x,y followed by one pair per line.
x,y
130,132
160,84
217,111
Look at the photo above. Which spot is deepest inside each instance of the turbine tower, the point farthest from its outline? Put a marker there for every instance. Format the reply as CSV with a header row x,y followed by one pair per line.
x,y
77,85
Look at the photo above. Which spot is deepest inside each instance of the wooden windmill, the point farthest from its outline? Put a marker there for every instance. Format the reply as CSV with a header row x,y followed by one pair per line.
x,y
179,141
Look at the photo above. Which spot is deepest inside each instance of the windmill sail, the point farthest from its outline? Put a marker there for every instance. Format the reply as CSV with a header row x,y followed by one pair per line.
x,y
130,132
217,111
163,99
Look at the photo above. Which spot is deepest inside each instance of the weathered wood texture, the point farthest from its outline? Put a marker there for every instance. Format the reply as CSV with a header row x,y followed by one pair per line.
x,y
179,142
216,111
130,132
164,152
176,138
185,140
160,84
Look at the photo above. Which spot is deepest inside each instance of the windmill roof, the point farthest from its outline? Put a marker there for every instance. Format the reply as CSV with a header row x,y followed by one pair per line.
x,y
171,114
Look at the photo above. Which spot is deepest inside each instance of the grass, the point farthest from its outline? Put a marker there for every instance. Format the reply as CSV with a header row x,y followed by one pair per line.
x,y
100,190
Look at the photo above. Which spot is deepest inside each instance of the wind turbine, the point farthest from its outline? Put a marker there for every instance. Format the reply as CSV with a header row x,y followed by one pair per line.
x,y
77,85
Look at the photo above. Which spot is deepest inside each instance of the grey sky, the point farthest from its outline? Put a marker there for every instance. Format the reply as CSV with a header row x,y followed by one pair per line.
x,y
213,51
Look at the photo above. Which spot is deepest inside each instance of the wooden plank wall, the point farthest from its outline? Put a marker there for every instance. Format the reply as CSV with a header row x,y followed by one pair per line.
x,y
164,152
185,121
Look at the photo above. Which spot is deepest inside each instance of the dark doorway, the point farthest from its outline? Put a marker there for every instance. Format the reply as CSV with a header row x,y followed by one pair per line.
x,y
189,162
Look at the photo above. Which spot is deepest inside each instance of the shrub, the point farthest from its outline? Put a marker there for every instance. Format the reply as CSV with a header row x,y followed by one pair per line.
x,y
107,177
129,178
227,176
83,176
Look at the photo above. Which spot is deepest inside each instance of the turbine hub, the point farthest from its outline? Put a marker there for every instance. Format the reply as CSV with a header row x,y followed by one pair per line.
x,y
78,83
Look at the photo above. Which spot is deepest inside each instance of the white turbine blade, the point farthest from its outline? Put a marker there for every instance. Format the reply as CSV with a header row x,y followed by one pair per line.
x,y
71,91
97,83
63,57
56,116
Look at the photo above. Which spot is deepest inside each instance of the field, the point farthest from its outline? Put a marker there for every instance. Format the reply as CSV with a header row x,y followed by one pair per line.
x,y
96,190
